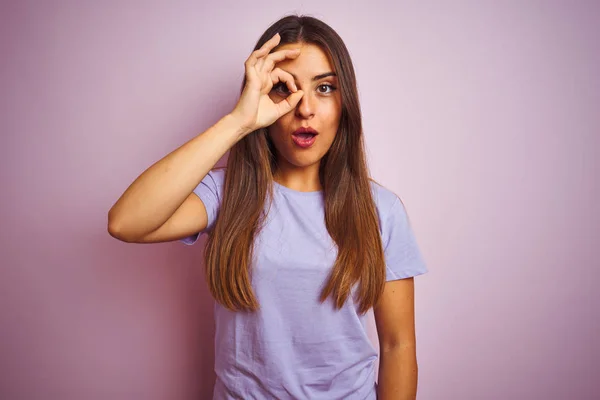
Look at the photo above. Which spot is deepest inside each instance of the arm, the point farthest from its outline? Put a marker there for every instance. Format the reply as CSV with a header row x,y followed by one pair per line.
x,y
165,189
395,321
160,204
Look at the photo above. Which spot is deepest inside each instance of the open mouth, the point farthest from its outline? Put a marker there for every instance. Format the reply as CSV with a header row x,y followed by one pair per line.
x,y
304,137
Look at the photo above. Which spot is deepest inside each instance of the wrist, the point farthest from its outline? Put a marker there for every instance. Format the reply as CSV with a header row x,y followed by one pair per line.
x,y
240,128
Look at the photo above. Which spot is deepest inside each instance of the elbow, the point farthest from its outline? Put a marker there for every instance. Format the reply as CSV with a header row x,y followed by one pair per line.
x,y
116,229
397,344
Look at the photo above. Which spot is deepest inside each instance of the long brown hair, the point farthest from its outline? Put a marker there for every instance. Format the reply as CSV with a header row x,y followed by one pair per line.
x,y
350,213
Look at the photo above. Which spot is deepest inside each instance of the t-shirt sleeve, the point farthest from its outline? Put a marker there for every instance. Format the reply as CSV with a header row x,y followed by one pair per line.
x,y
209,191
403,257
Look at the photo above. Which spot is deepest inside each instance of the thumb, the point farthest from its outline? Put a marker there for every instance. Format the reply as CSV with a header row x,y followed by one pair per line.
x,y
290,102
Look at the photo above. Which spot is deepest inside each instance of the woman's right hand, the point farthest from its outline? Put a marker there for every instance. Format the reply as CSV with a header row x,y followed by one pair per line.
x,y
255,109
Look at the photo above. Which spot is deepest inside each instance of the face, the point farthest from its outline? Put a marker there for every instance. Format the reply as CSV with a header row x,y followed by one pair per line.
x,y
319,109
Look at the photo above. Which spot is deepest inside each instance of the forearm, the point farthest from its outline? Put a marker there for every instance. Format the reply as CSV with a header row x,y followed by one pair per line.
x,y
398,373
157,193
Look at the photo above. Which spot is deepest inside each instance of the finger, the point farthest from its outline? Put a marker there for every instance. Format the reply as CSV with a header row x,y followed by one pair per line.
x,y
264,50
259,64
252,78
271,43
256,59
252,75
268,62
278,56
289,103
279,75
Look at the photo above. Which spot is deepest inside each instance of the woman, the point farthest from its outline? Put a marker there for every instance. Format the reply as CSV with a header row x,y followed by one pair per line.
x,y
301,242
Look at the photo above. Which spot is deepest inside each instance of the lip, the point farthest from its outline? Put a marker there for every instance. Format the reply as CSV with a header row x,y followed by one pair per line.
x,y
305,129
301,142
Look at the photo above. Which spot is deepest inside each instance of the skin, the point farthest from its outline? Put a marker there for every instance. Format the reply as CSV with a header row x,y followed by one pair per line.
x,y
395,321
159,205
319,108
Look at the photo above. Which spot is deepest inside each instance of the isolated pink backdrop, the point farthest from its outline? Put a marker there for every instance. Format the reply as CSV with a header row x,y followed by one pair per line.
x,y
482,116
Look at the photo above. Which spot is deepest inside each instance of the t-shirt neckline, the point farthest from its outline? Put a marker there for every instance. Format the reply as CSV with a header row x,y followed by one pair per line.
x,y
286,189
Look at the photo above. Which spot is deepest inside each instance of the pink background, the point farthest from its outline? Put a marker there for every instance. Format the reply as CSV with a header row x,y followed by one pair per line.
x,y
483,116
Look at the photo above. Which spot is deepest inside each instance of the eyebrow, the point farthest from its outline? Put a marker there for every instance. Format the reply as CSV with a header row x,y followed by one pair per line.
x,y
317,77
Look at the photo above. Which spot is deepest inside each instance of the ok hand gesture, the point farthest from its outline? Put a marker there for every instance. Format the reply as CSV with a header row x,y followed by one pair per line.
x,y
255,109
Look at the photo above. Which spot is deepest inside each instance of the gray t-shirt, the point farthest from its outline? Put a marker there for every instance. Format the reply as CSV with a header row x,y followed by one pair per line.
x,y
295,347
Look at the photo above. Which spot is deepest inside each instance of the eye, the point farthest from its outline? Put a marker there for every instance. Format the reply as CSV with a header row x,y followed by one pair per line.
x,y
281,88
326,88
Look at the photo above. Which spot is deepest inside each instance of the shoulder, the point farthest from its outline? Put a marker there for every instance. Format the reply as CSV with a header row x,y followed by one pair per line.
x,y
402,254
215,178
384,199
211,186
391,212
218,174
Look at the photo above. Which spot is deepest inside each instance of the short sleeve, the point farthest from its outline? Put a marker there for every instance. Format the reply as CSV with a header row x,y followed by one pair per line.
x,y
210,192
403,257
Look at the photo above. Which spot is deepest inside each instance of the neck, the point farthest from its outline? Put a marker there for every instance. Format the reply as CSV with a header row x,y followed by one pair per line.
x,y
302,179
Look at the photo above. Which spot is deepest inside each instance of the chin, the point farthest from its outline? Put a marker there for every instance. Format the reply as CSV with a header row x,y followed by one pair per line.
x,y
302,161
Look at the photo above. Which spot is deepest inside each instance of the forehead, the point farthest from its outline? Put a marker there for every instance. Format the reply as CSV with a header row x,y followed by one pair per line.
x,y
311,61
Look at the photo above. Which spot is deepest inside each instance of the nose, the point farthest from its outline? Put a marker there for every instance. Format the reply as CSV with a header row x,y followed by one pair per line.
x,y
306,106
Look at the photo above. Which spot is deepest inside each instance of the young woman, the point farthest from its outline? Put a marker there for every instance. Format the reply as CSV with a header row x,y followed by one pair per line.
x,y
301,242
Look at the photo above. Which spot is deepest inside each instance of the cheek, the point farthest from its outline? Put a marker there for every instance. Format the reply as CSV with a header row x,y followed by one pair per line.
x,y
277,131
280,126
331,108
331,116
